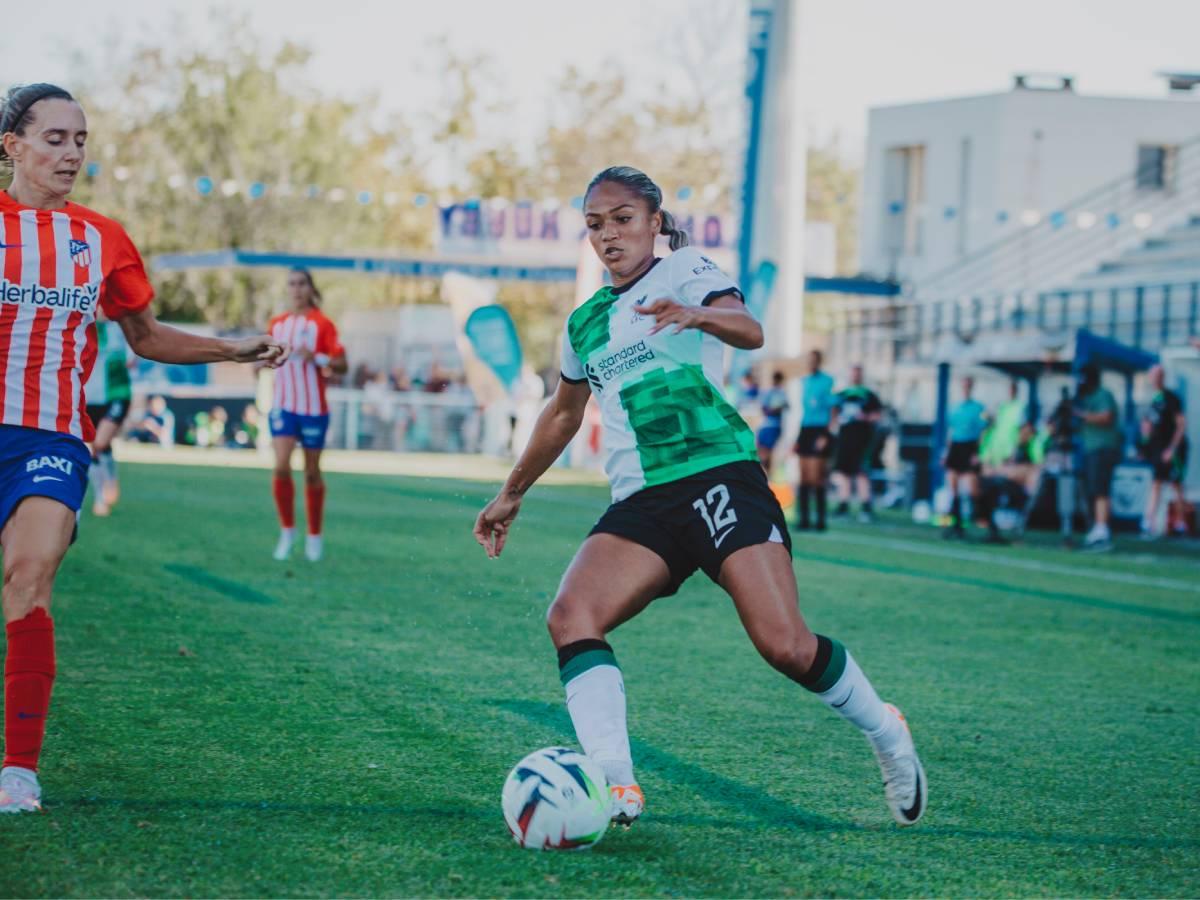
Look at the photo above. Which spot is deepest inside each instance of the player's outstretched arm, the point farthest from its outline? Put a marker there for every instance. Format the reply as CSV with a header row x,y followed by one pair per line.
x,y
726,319
151,339
558,423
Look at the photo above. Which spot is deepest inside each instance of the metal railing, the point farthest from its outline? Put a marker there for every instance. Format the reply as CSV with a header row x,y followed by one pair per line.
x,y
1148,316
1094,228
404,421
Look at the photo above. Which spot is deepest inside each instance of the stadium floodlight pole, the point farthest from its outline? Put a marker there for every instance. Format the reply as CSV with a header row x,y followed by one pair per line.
x,y
772,220
795,167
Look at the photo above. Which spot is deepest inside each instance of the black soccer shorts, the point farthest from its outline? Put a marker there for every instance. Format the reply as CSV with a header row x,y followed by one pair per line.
x,y
962,457
699,521
117,410
853,446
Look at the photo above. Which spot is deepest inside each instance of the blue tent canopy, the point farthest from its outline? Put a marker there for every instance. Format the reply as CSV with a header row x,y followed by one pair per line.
x,y
1109,354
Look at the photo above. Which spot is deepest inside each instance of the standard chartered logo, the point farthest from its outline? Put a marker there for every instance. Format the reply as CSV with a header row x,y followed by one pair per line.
x,y
77,298
624,360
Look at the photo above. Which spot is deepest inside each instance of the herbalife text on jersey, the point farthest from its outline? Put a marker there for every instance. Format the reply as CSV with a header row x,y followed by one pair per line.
x,y
80,298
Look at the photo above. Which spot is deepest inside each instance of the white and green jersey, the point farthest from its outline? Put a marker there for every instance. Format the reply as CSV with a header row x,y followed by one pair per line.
x,y
664,414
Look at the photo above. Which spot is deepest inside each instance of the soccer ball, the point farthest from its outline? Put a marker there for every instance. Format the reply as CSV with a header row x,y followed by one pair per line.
x,y
556,799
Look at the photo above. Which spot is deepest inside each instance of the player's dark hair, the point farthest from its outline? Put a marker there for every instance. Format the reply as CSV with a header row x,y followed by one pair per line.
x,y
642,185
16,109
1089,376
317,299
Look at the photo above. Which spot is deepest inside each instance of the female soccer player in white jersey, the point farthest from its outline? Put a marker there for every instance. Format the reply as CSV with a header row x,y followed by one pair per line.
x,y
687,490
60,263
299,411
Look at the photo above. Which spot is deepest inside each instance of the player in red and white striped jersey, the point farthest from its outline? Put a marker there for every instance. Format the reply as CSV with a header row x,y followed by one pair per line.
x,y
299,411
60,263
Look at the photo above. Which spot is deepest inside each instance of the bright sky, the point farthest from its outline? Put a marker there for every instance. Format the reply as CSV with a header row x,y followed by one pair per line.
x,y
857,53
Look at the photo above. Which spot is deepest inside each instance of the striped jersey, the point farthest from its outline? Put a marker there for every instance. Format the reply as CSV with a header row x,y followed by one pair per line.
x,y
299,384
58,268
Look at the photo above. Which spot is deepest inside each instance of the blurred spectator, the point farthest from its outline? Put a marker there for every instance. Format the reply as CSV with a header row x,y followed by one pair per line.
x,y
377,411
1000,440
362,374
1012,486
1100,441
774,405
747,395
961,460
1164,446
458,414
400,379
208,428
814,444
438,381
157,425
858,409
527,395
1061,429
246,434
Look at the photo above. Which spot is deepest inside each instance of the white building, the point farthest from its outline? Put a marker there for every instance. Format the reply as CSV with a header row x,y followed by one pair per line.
x,y
948,179
1014,222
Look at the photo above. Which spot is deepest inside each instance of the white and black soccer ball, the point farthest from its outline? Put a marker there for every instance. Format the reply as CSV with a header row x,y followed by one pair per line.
x,y
556,799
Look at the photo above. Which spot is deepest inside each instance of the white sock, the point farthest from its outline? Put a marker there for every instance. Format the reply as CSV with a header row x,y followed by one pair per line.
x,y
596,702
313,547
108,464
96,477
854,699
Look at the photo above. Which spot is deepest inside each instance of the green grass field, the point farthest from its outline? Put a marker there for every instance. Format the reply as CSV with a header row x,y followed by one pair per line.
x,y
227,725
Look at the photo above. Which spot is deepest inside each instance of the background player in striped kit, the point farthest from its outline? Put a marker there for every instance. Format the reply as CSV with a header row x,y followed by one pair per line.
x,y
60,263
299,411
688,492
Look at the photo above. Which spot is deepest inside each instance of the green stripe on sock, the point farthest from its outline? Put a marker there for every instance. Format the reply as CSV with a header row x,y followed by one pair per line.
x,y
833,671
579,664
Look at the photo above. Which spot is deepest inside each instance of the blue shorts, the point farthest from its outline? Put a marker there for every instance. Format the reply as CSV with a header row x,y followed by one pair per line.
x,y
310,430
768,436
36,463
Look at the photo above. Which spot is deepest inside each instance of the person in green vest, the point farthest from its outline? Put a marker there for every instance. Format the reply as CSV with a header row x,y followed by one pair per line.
x,y
1100,441
999,442
108,416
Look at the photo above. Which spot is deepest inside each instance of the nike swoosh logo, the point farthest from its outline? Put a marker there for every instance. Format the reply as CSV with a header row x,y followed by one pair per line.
x,y
10,246
844,702
717,541
915,810
25,715
37,478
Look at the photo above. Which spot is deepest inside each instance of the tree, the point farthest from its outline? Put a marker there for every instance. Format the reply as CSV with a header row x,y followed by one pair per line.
x,y
247,122
832,196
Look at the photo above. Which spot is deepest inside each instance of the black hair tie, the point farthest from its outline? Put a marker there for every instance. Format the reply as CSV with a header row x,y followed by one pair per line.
x,y
10,122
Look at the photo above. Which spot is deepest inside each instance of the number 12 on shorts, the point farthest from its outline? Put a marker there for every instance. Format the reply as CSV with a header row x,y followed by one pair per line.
x,y
718,515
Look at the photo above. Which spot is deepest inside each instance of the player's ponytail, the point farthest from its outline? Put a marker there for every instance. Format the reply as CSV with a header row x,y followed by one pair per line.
x,y
16,109
641,184
677,236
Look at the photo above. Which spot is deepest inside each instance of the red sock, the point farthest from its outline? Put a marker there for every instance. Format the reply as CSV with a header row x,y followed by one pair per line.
x,y
314,506
28,679
285,500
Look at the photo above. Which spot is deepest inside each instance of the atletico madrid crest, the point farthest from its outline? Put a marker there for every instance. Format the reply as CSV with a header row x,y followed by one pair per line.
x,y
81,253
